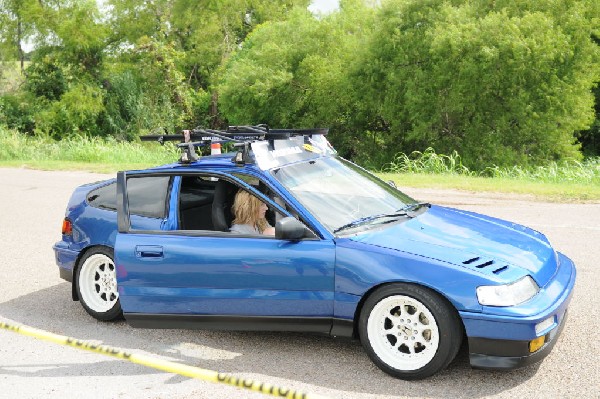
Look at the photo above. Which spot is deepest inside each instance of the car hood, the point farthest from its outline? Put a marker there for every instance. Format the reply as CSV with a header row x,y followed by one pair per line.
x,y
502,250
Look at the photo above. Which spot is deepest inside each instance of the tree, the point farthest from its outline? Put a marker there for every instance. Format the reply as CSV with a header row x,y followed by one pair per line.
x,y
17,27
590,139
63,80
203,33
293,72
500,82
504,82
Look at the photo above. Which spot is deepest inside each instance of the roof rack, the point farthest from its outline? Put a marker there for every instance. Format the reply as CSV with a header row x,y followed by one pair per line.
x,y
241,136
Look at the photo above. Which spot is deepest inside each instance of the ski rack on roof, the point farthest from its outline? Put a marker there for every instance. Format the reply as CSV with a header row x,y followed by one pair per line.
x,y
241,136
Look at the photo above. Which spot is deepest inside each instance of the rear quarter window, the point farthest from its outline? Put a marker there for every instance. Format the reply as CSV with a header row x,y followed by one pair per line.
x,y
104,197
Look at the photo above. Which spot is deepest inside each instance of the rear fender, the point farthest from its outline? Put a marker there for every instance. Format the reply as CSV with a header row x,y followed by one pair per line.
x,y
82,254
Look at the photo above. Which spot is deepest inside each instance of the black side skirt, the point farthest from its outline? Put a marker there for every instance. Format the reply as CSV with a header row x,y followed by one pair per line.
x,y
319,325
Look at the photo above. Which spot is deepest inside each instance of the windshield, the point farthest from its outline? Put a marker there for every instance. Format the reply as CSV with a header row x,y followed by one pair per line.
x,y
340,194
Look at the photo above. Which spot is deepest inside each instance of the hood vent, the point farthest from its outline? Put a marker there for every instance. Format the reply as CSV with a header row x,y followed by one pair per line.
x,y
468,262
500,270
482,264
486,264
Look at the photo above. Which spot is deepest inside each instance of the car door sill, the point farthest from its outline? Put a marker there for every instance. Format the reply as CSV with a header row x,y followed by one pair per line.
x,y
320,325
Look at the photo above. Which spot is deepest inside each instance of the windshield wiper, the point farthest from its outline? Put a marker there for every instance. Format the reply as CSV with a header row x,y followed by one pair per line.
x,y
369,219
410,209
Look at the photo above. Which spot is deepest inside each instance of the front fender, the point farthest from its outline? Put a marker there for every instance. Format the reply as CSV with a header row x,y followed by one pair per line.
x,y
361,267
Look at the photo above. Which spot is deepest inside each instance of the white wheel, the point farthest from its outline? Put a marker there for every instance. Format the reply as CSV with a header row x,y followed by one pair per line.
x,y
97,285
403,332
409,331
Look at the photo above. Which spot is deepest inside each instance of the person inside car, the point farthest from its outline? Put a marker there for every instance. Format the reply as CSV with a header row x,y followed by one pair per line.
x,y
249,215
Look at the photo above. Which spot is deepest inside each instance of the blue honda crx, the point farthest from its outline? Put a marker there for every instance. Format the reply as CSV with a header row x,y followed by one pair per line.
x,y
351,256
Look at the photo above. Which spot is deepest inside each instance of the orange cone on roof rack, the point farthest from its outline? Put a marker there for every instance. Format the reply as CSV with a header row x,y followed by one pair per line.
x,y
215,148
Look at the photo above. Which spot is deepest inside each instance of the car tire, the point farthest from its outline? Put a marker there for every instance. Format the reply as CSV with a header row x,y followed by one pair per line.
x,y
96,284
409,331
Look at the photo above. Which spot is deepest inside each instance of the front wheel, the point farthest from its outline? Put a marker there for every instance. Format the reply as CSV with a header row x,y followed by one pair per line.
x,y
409,332
96,283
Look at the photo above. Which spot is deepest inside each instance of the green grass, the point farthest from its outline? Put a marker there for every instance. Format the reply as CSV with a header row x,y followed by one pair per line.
x,y
543,190
431,163
80,153
574,181
564,181
94,167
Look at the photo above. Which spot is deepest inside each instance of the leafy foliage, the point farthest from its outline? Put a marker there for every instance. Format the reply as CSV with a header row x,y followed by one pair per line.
x,y
71,114
294,73
502,83
45,78
16,112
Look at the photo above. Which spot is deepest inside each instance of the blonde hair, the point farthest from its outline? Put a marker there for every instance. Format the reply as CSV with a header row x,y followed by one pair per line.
x,y
245,210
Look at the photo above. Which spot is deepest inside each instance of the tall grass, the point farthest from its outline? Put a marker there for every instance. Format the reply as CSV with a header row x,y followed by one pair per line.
x,y
430,162
15,146
587,171
427,162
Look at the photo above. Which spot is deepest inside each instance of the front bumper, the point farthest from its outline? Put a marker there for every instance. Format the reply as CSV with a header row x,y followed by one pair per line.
x,y
502,341
497,354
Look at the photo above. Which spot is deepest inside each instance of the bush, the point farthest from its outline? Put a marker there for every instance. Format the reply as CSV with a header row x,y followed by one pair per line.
x,y
123,106
501,82
76,112
45,77
17,111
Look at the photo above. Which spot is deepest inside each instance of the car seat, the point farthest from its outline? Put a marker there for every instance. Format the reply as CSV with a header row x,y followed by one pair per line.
x,y
221,206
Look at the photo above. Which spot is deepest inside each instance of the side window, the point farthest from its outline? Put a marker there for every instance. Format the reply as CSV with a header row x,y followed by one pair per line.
x,y
273,216
250,180
207,203
104,197
148,196
263,188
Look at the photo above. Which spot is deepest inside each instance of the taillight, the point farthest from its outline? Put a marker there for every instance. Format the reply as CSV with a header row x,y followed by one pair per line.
x,y
67,227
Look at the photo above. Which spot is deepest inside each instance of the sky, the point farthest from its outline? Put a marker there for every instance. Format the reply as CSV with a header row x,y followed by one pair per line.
x,y
323,6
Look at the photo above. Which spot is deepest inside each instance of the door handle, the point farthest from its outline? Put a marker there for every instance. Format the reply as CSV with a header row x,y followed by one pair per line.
x,y
149,251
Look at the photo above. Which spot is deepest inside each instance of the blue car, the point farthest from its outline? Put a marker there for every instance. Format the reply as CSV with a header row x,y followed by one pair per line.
x,y
352,256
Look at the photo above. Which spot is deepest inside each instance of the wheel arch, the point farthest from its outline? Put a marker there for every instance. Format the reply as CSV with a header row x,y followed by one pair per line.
x,y
77,265
370,291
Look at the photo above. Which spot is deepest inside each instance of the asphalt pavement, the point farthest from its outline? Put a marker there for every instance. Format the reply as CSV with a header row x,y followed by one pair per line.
x,y
33,206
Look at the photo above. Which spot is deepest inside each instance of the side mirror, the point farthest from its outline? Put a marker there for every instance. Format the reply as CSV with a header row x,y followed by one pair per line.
x,y
289,228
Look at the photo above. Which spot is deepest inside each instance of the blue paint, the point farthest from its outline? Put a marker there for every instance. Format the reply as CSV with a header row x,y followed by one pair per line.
x,y
164,270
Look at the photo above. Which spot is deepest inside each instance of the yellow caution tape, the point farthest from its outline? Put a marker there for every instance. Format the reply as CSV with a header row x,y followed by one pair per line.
x,y
164,365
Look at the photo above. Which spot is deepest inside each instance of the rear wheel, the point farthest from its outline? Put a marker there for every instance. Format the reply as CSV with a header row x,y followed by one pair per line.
x,y
409,331
96,283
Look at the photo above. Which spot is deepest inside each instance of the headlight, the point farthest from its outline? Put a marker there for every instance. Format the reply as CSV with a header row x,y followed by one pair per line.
x,y
507,294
